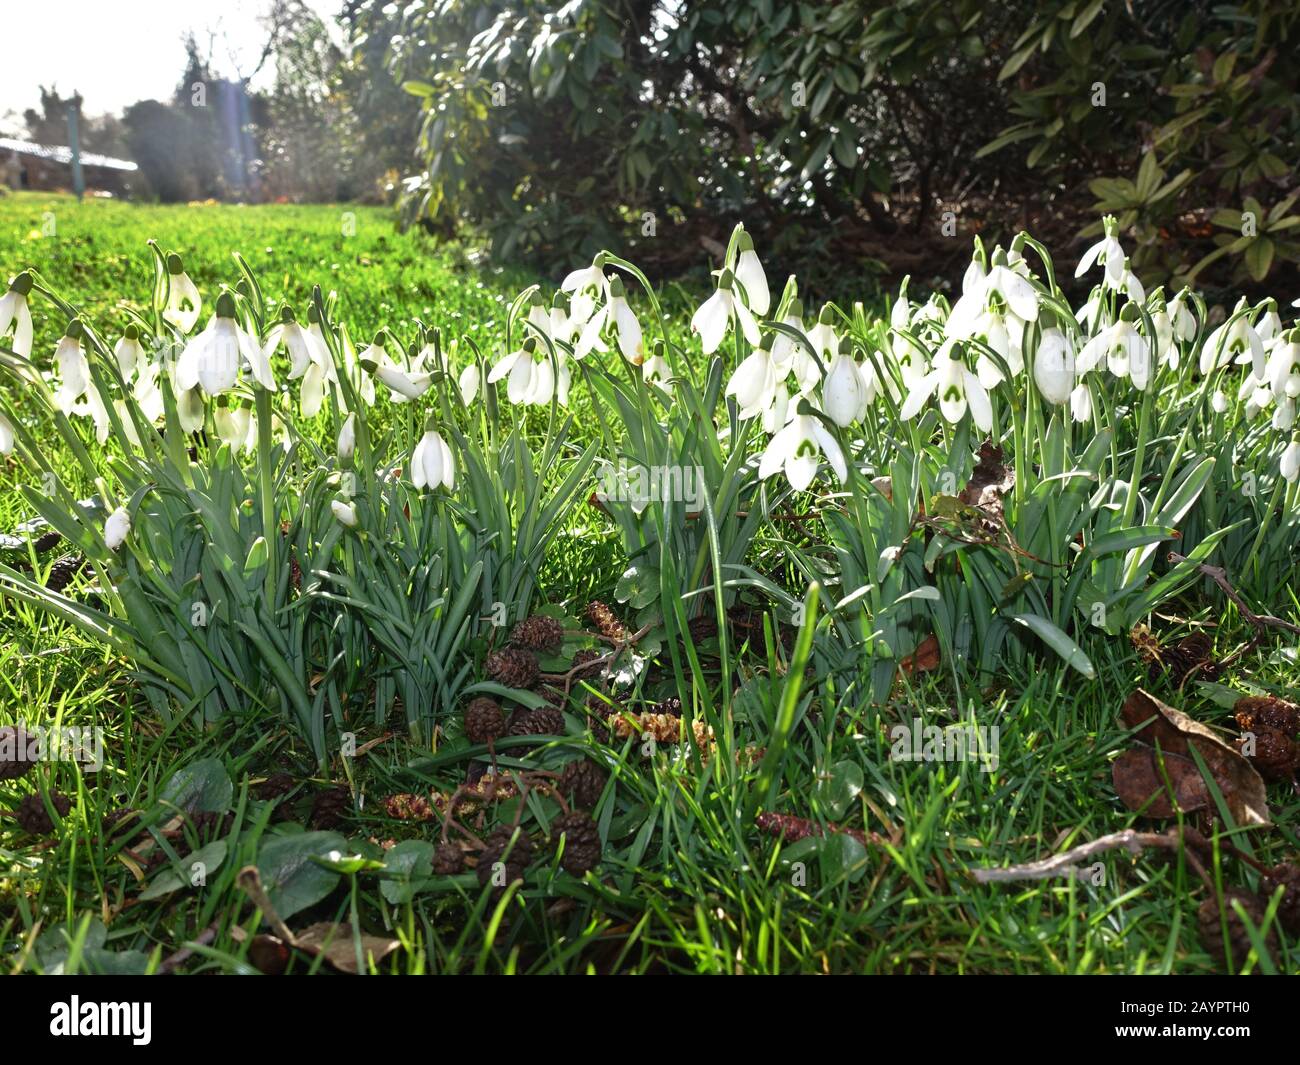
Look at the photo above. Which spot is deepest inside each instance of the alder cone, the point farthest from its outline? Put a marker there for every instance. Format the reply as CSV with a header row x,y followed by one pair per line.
x,y
497,844
15,745
32,816
1239,944
584,780
1276,755
588,663
581,842
538,633
606,621
484,720
448,859
329,808
513,667
544,721
1266,711
63,571
1287,877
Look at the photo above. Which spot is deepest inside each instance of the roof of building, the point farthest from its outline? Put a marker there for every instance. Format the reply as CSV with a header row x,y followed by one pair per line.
x,y
57,153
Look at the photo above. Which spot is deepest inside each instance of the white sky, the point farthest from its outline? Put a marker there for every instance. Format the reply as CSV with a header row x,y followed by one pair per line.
x,y
115,52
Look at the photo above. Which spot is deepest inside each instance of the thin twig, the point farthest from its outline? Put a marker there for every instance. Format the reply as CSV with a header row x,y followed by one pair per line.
x,y
1067,862
1220,577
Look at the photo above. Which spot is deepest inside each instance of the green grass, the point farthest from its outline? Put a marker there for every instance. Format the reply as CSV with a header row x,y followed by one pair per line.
x,y
688,883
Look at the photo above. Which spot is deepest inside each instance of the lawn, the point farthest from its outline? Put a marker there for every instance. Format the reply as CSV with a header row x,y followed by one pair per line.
x,y
692,876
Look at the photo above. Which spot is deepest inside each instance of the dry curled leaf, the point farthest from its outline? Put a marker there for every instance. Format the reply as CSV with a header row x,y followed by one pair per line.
x,y
989,482
1142,787
924,659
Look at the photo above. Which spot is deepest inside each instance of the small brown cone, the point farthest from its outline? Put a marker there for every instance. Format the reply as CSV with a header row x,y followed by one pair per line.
x,y
32,816
584,780
581,842
1211,921
538,633
484,720
513,667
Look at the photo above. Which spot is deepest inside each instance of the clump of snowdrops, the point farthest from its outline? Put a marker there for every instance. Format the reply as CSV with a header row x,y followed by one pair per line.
x,y
281,519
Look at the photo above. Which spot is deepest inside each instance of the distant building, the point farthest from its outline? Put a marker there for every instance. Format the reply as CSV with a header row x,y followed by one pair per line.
x,y
47,167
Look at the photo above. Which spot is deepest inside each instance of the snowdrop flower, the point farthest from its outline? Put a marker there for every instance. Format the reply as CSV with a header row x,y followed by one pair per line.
x,y
959,390
344,512
1283,372
117,528
750,276
822,336
784,346
1127,283
655,370
233,424
6,436
1236,337
362,380
797,450
714,317
910,358
626,327
189,409
1218,402
1269,324
588,279
308,358
539,318
845,393
1125,350
1106,253
521,368
1166,349
128,352
900,314
1290,464
347,444
1011,288
754,382
183,300
402,385
212,359
626,323
1081,402
16,315
1054,366
1181,317
432,463
776,416
562,326
468,383
74,370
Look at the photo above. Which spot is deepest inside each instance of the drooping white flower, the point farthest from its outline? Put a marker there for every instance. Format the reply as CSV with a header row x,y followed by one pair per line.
x,y
959,390
1106,253
1269,324
233,423
1122,347
784,346
845,393
1283,370
1081,402
822,335
1184,322
74,369
347,444
655,370
183,300
309,358
117,528
1012,289
128,352
6,436
750,276
16,315
797,450
589,279
520,367
432,463
714,317
345,513
626,324
212,359
1054,366
1235,337
468,383
754,383
1218,402
1290,464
